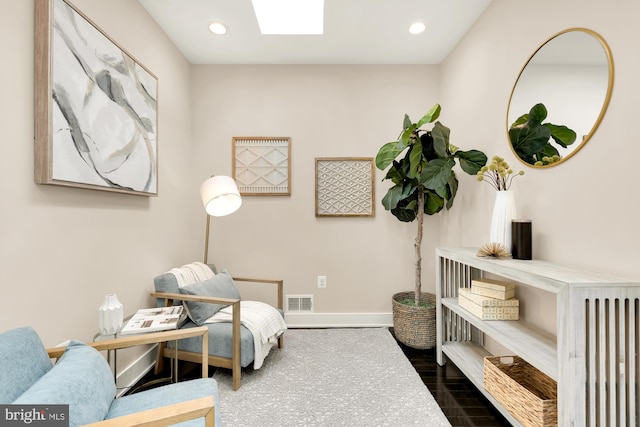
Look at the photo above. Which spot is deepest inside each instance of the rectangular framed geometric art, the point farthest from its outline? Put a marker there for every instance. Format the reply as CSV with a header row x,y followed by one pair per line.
x,y
261,165
344,186
95,111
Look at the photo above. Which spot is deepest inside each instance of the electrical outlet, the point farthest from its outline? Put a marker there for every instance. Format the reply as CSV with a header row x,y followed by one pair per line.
x,y
322,281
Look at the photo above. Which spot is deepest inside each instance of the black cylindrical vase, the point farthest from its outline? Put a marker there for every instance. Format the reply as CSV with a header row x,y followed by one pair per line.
x,y
521,239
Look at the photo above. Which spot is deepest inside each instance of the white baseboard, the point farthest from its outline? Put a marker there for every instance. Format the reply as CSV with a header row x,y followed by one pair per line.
x,y
130,375
338,320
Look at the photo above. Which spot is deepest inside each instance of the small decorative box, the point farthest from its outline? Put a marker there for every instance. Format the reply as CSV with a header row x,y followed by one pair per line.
x,y
488,308
493,288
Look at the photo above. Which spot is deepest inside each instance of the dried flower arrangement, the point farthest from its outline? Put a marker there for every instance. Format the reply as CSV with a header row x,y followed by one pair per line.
x,y
498,174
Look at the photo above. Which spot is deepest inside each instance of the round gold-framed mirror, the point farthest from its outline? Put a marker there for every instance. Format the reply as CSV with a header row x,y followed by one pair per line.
x,y
560,97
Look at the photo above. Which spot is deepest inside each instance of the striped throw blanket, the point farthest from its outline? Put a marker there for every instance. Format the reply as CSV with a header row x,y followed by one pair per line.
x,y
191,273
264,321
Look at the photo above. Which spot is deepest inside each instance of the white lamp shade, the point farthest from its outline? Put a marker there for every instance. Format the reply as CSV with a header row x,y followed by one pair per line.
x,y
220,195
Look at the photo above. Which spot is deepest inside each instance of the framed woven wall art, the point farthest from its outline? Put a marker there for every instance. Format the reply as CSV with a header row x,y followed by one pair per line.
x,y
95,109
261,165
345,186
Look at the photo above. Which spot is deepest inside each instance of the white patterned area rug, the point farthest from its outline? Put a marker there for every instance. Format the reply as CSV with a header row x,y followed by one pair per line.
x,y
330,377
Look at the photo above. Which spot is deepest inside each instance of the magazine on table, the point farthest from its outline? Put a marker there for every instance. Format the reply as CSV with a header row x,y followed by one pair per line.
x,y
154,320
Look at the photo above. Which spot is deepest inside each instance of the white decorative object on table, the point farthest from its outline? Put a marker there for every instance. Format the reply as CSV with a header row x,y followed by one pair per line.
x,y
500,176
504,211
110,315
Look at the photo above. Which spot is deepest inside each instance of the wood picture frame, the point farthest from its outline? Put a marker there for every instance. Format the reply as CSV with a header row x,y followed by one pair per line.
x,y
345,186
261,165
95,107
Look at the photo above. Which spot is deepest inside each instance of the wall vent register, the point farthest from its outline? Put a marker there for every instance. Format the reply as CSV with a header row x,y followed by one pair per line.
x,y
300,303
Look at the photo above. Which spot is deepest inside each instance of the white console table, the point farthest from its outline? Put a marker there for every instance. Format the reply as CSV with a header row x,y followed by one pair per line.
x,y
593,356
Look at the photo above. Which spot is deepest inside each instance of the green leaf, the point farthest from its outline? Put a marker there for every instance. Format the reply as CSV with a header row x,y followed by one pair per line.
x,y
387,154
415,159
537,114
404,215
471,161
431,116
406,209
393,196
527,141
440,134
437,173
453,188
442,191
427,147
549,151
394,174
561,134
432,203
521,120
407,133
406,122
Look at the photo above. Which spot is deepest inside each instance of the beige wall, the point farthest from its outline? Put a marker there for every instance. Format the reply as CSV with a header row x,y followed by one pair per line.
x,y
328,111
65,248
584,211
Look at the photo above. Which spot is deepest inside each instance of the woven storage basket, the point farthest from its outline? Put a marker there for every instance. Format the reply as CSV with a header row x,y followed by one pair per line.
x,y
528,394
415,326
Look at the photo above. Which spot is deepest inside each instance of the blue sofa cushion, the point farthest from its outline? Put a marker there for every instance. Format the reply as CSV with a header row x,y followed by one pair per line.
x,y
82,379
23,360
167,395
220,341
221,285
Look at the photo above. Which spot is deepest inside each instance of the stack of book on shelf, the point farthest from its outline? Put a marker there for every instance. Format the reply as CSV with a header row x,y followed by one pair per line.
x,y
490,300
154,320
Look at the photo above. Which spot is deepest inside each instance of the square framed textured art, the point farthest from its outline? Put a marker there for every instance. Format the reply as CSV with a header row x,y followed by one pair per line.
x,y
261,165
95,110
345,186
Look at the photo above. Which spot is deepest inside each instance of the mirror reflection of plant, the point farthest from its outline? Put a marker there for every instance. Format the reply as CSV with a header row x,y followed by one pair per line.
x,y
424,180
498,174
533,140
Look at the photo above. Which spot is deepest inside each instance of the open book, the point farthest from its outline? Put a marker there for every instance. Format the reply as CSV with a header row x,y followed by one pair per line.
x,y
153,320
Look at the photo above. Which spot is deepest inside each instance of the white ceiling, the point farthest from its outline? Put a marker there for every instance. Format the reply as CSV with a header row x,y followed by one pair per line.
x,y
355,32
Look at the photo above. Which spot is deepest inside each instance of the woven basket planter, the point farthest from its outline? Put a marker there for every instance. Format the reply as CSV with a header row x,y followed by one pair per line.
x,y
415,326
528,394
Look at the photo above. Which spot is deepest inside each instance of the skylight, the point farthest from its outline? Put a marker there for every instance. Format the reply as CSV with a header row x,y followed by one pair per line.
x,y
289,16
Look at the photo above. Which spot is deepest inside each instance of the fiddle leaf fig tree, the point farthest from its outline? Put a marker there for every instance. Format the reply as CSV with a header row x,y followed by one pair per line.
x,y
424,179
534,142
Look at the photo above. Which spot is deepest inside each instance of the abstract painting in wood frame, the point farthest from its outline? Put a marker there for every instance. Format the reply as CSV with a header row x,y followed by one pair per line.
x,y
95,113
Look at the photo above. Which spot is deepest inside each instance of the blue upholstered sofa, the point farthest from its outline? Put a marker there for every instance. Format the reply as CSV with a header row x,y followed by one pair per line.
x,y
82,379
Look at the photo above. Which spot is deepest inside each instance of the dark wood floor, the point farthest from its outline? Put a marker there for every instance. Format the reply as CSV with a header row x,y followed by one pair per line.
x,y
460,401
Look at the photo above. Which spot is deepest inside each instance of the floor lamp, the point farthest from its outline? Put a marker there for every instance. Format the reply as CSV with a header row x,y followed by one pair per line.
x,y
220,197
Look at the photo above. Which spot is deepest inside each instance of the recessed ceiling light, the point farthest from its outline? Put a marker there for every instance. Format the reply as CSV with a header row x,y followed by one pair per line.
x,y
218,28
289,16
417,28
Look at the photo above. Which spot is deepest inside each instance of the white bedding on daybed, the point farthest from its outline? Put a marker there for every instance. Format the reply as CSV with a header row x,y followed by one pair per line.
x,y
264,321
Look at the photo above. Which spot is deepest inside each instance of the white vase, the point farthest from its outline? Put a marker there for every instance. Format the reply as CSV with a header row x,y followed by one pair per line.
x,y
504,211
110,315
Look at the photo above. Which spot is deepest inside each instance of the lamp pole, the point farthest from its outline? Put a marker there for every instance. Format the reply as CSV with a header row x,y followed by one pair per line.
x,y
206,239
